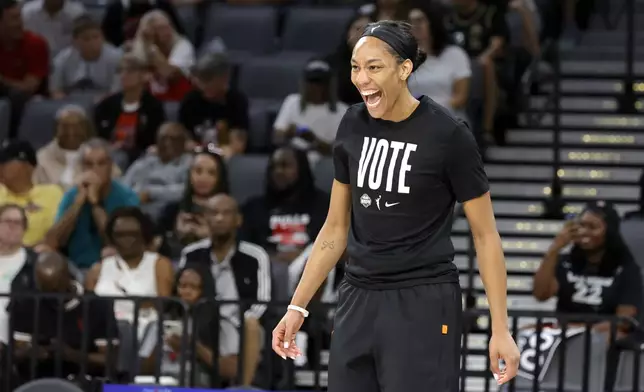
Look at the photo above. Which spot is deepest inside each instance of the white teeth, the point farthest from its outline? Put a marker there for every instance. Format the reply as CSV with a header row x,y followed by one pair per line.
x,y
368,93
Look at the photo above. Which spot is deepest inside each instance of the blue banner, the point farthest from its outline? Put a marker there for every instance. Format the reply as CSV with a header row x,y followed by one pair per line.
x,y
156,388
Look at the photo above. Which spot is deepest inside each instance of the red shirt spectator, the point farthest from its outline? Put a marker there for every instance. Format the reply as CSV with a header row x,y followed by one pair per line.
x,y
25,55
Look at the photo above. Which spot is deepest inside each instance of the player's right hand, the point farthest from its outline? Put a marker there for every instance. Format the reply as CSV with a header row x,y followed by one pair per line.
x,y
284,335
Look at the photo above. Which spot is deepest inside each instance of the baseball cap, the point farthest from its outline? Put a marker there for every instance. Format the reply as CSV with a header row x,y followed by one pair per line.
x,y
17,150
211,65
317,71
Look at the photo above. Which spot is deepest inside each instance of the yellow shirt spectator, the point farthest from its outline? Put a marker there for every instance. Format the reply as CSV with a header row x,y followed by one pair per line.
x,y
40,204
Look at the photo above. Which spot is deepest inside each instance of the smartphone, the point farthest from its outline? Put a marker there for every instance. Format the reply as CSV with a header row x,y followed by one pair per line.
x,y
196,209
172,327
301,130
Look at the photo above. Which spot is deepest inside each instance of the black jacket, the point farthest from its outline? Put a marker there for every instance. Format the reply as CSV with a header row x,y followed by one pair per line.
x,y
251,268
151,116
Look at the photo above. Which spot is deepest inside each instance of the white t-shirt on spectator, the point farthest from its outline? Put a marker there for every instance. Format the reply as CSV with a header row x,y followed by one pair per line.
x,y
181,56
318,118
10,265
71,161
436,76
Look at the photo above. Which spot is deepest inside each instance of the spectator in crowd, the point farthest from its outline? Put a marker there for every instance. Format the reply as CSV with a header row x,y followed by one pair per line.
x,y
40,201
288,217
13,256
83,212
387,9
160,179
599,275
445,74
58,161
526,13
122,17
182,223
52,20
132,270
310,119
195,283
130,118
25,62
480,29
241,271
88,65
52,276
575,15
341,59
169,54
214,112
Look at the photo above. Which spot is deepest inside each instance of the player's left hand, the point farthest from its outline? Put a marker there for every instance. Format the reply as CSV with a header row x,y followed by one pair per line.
x,y
503,347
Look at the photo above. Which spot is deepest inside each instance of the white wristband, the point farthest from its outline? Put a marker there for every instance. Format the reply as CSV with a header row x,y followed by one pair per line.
x,y
296,308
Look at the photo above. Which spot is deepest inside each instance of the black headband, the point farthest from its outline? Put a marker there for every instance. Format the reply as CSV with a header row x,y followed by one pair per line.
x,y
391,37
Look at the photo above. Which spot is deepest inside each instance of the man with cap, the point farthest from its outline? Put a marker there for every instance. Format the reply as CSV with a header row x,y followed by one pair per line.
x,y
310,119
17,164
215,112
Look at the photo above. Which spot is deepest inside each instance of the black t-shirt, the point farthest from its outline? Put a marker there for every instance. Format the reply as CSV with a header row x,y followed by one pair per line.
x,y
475,31
199,115
582,290
405,178
99,327
285,227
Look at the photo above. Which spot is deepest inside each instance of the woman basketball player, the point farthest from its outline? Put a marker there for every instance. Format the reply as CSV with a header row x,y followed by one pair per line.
x,y
400,165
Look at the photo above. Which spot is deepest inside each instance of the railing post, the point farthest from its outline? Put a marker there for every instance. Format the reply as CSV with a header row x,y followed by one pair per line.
x,y
556,114
470,299
627,99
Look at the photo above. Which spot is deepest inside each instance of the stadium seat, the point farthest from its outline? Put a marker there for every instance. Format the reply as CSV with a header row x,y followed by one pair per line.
x,y
247,174
171,110
187,14
252,29
633,233
96,11
624,376
272,77
261,113
49,385
322,27
5,115
323,174
38,120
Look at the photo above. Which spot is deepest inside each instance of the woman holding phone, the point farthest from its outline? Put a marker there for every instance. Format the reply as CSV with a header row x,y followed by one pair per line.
x,y
598,275
182,223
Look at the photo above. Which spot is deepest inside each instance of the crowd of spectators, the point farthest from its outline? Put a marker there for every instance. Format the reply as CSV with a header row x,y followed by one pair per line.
x,y
127,193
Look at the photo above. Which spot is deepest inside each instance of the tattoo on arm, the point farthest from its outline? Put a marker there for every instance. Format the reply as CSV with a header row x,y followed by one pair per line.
x,y
328,244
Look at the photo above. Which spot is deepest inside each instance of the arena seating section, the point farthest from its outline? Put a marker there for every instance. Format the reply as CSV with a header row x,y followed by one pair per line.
x,y
601,151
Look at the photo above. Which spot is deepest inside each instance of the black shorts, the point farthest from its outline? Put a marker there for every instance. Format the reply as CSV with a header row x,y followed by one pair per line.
x,y
399,340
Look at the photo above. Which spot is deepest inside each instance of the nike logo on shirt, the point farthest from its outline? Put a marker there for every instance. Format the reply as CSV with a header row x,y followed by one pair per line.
x,y
391,204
